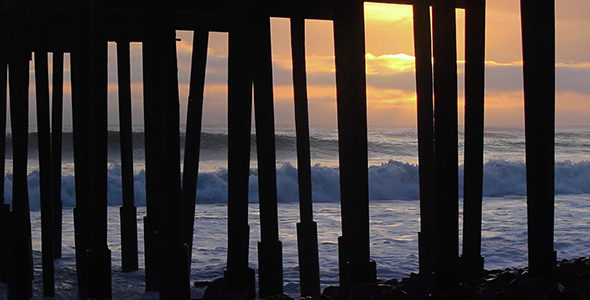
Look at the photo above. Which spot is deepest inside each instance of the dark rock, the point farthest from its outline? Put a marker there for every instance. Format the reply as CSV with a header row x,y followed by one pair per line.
x,y
219,290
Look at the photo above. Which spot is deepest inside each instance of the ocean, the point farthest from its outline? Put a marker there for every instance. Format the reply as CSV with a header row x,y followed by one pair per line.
x,y
394,207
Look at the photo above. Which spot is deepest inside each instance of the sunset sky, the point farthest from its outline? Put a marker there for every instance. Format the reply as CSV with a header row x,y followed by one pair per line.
x,y
390,68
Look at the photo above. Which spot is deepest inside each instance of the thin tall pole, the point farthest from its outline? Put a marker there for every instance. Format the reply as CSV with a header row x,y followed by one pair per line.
x,y
160,63
44,144
349,45
423,53
446,153
4,207
80,110
471,258
192,143
20,268
307,236
56,148
270,248
98,255
239,276
128,211
538,49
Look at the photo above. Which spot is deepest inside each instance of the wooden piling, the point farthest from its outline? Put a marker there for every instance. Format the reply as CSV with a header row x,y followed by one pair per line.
x,y
239,276
153,189
56,148
20,264
98,256
163,114
538,49
423,54
129,257
472,263
270,248
349,45
80,110
446,154
4,207
44,145
192,138
307,237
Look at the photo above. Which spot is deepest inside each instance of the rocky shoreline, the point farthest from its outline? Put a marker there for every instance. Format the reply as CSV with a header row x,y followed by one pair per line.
x,y
571,281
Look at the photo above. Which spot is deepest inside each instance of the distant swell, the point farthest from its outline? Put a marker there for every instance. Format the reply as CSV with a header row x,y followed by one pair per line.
x,y
389,181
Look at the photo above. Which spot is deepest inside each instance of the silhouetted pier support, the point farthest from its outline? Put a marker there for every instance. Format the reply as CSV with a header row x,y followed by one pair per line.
x,y
423,54
349,45
538,44
56,147
238,275
192,138
20,260
80,111
270,248
98,255
128,211
4,207
163,116
45,186
446,154
20,264
307,236
472,263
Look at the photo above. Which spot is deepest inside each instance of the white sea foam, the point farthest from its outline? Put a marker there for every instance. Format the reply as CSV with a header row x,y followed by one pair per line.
x,y
393,180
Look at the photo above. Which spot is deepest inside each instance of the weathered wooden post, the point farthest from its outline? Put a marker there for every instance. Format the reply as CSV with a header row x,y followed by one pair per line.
x,y
349,45
4,207
163,116
446,154
192,138
472,263
423,54
538,49
128,211
56,147
98,256
239,276
270,248
20,264
80,110
153,189
44,145
307,236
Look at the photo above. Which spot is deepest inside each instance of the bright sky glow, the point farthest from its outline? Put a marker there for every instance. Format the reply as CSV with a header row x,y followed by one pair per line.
x,y
390,68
